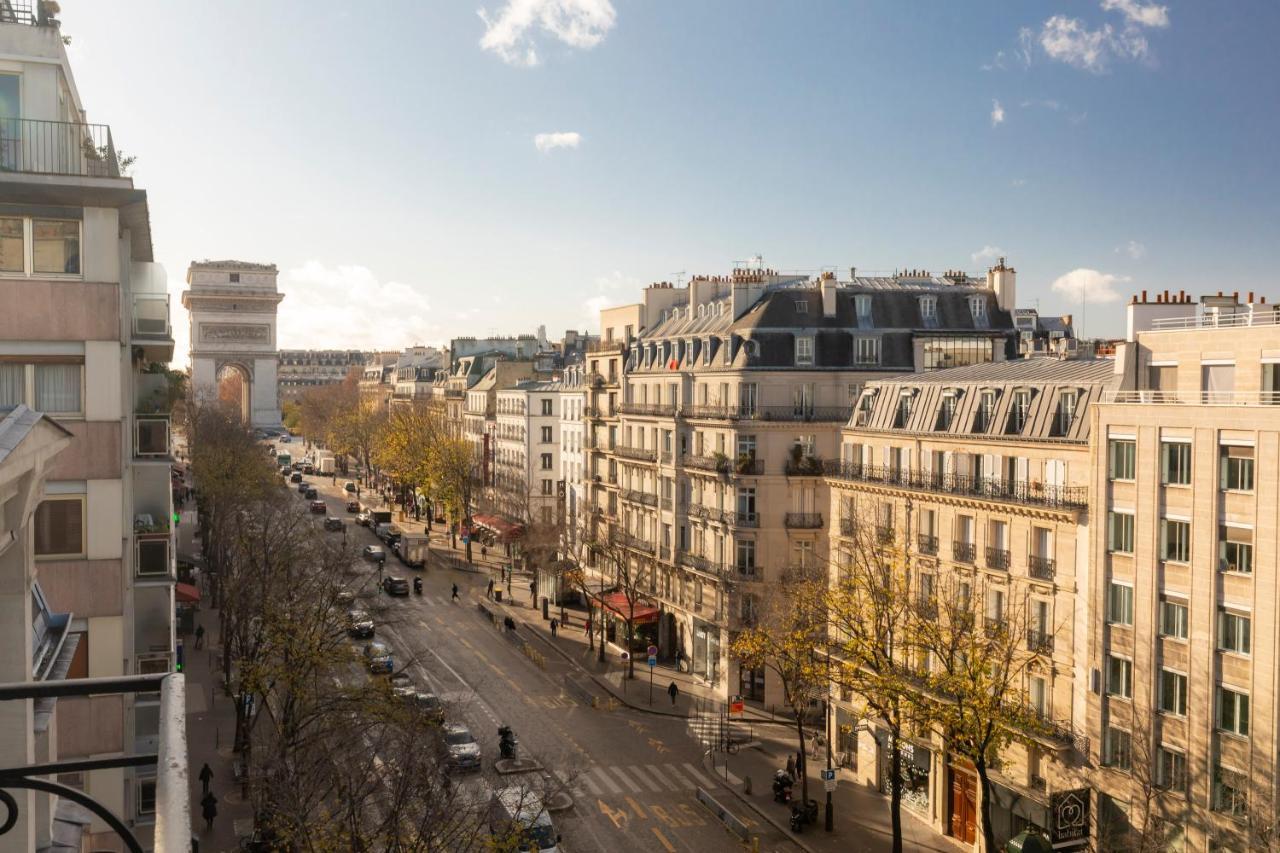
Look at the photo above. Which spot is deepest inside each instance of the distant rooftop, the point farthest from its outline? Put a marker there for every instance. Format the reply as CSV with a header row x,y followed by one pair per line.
x,y
1013,371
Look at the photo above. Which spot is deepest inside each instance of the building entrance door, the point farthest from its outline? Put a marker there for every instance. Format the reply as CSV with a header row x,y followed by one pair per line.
x,y
964,806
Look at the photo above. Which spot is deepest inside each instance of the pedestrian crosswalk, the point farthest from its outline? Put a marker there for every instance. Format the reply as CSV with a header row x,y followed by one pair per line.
x,y
617,780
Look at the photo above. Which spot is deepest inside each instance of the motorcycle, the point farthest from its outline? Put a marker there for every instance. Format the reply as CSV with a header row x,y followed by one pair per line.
x,y
800,815
417,586
507,742
782,784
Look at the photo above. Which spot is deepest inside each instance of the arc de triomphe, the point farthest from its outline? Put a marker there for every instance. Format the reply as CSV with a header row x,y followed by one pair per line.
x,y
232,306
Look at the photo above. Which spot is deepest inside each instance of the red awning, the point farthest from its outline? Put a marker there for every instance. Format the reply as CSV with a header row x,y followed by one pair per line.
x,y
644,611
505,530
185,593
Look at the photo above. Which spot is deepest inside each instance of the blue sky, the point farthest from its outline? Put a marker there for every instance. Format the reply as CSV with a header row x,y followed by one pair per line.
x,y
385,155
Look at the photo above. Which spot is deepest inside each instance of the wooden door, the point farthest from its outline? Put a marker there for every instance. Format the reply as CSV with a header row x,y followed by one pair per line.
x,y
964,806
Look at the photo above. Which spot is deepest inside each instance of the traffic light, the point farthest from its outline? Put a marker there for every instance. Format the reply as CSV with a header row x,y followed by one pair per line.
x,y
179,659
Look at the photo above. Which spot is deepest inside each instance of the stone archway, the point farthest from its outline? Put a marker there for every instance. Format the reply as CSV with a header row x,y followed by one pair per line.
x,y
235,381
232,306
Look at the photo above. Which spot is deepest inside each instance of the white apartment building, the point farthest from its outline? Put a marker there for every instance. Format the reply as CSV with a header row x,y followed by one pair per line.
x,y
527,455
85,323
573,459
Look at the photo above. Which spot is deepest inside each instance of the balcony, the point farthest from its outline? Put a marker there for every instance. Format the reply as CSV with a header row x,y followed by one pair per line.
x,y
667,504
637,453
37,147
152,556
151,330
635,543
719,464
748,467
884,535
1192,398
454,393
1040,642
989,488
804,466
664,552
848,527
151,437
803,520
801,413
666,457
963,552
1041,568
698,563
800,574
998,558
648,409
742,519
639,497
926,544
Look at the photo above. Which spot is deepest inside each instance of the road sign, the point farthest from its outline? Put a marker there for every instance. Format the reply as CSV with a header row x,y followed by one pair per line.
x,y
653,651
736,707
653,661
828,775
829,784
625,656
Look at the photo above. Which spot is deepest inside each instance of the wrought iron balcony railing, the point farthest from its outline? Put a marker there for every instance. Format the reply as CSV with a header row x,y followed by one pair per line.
x,y
650,409
992,488
1039,641
646,498
803,413
706,463
997,558
926,544
803,520
39,147
636,543
1041,568
638,453
963,552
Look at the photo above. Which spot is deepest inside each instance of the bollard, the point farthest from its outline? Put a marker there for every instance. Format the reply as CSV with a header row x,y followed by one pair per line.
x,y
746,785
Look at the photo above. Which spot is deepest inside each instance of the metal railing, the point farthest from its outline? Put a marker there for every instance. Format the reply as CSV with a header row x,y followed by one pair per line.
x,y
39,147
997,558
1192,398
1041,568
803,520
172,832
666,457
151,436
651,409
992,488
963,552
638,453
884,535
453,394
926,544
803,413
752,467
742,519
706,463
646,498
1260,315
805,466
1039,641
847,527
635,543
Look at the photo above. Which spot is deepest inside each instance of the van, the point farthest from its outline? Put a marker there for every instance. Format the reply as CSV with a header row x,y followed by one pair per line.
x,y
518,814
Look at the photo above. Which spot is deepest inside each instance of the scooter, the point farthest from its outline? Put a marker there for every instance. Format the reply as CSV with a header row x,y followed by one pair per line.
x,y
507,742
417,586
782,783
800,815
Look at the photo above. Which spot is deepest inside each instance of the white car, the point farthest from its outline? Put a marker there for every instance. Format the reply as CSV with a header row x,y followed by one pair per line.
x,y
464,752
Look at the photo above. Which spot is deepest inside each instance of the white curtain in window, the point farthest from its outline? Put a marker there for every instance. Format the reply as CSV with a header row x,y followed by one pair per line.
x,y
11,384
57,388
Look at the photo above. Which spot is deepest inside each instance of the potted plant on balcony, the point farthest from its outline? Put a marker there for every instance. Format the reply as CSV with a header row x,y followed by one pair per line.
x,y
722,462
746,463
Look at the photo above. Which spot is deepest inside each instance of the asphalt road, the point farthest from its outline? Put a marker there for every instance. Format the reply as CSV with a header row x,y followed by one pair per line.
x,y
632,776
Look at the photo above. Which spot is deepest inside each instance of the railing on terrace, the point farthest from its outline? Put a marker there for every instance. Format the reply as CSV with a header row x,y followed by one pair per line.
x,y
805,466
1260,315
638,453
652,409
635,543
1193,398
884,535
646,498
454,393
963,552
752,467
39,147
172,832
998,558
742,519
803,520
701,564
151,316
837,414
1039,641
992,488
1041,568
151,436
706,463
926,544
606,346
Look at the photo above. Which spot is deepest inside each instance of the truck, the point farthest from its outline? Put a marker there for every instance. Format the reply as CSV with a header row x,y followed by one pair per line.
x,y
324,462
412,549
284,460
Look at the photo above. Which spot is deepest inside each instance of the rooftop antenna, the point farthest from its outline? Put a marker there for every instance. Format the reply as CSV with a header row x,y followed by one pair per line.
x,y
680,277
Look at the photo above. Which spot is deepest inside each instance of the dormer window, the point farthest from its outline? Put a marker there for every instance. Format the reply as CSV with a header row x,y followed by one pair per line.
x,y
706,351
702,311
986,411
865,405
978,309
929,311
1067,401
903,416
862,304
802,306
947,414
804,351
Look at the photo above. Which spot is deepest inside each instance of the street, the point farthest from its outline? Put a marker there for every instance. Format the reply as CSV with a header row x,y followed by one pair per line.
x,y
633,776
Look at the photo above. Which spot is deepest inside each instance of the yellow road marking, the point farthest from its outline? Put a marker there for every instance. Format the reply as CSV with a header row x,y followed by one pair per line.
x,y
662,839
692,818
658,745
618,816
635,807
638,726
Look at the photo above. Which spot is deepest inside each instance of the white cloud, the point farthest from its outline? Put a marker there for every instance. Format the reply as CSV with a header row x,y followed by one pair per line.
x,y
1018,182
562,139
1133,249
612,289
348,303
510,32
988,253
1092,285
1143,15
997,113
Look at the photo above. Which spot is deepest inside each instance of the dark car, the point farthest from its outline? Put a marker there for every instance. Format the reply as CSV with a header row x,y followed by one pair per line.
x,y
349,487
311,494
308,468
285,471
333,523
374,554
359,624
303,485
377,656
395,586
344,597
353,506
295,477
319,507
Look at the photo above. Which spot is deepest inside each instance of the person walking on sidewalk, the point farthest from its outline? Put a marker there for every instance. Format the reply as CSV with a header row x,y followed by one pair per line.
x,y
200,641
791,766
488,592
533,592
455,592
206,776
673,692
209,809
555,624
484,552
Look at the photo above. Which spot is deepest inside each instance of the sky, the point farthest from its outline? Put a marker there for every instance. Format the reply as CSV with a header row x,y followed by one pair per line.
x,y
423,170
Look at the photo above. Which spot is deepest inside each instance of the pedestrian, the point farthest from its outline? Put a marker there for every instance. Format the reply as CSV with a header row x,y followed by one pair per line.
x,y
673,692
533,592
680,659
484,552
209,809
199,643
455,592
555,624
488,593
206,776
791,766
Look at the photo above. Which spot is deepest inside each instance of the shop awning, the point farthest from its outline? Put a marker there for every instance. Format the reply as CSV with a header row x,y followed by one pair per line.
x,y
617,602
185,593
506,531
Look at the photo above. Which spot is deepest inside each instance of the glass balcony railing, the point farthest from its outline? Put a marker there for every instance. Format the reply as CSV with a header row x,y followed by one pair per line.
x,y
151,436
151,316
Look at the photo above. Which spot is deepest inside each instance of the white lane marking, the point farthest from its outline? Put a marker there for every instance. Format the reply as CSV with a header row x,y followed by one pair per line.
x,y
675,774
605,778
640,774
698,777
662,777
626,780
440,599
592,788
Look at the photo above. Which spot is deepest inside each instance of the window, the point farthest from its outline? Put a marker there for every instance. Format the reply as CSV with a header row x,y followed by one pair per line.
x,y
1121,456
548,487
546,462
746,556
1173,619
235,277
13,249
904,409
1233,632
1236,468
1171,769
862,303
54,389
146,797
995,606
929,311
1173,692
55,246
59,527
1175,463
1037,695
546,435
1119,677
978,308
1117,749
1066,411
802,306
804,351
1120,532
1119,604
947,414
1230,791
986,411
546,407
867,351
1175,540
1233,711
1235,549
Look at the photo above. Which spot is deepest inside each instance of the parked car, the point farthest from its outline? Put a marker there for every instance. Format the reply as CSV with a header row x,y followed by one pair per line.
x,y
295,477
377,656
402,685
428,704
333,522
284,439
395,586
385,533
464,752
319,507
343,597
311,494
364,518
308,468
374,554
349,486
297,466
519,813
359,624
285,471
353,506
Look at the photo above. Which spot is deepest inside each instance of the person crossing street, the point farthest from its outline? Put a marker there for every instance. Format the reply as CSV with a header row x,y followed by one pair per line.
x,y
455,592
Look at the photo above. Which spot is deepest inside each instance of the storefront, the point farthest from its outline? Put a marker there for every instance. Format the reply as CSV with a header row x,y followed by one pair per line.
x,y
706,651
644,619
916,768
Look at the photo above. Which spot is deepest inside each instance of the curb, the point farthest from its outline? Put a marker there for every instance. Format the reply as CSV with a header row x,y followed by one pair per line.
x,y
782,827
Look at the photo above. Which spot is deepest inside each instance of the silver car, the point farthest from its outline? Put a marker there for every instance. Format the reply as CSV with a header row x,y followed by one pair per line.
x,y
464,752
